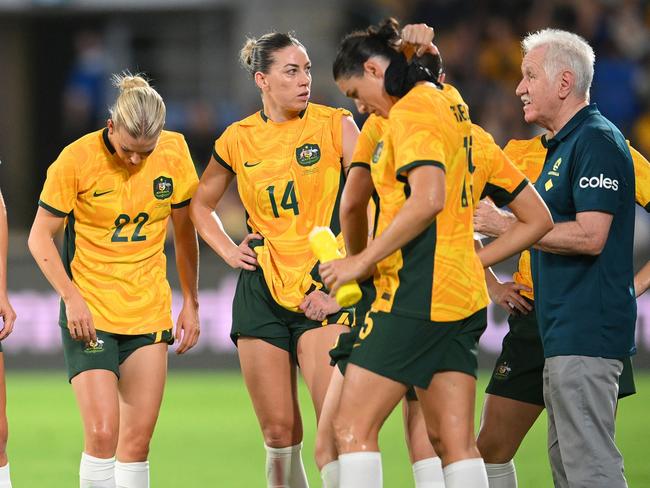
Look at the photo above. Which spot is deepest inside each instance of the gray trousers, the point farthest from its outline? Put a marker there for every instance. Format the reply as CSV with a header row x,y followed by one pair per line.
x,y
580,393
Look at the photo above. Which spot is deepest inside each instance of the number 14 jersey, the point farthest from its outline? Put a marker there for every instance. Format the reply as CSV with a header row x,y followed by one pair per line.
x,y
289,178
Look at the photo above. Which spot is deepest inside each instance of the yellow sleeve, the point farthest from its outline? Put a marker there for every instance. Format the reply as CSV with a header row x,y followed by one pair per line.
x,y
642,178
188,180
61,185
337,128
222,149
367,142
417,138
504,180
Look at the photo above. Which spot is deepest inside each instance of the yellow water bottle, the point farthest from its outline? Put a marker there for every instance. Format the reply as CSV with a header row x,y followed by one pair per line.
x,y
324,245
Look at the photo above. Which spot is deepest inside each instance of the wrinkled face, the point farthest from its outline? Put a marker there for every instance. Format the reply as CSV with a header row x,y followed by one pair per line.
x,y
129,150
288,82
539,94
368,91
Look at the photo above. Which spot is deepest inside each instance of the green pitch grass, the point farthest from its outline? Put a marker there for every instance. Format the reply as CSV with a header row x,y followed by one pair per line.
x,y
207,436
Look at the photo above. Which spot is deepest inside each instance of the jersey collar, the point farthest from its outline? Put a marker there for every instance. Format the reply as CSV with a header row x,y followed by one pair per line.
x,y
107,141
266,119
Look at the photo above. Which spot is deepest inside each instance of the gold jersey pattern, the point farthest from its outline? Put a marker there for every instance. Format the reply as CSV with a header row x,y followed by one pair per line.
x,y
529,155
437,276
116,223
289,178
495,175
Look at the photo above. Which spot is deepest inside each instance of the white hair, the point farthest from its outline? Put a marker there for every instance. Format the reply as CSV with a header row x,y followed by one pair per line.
x,y
565,51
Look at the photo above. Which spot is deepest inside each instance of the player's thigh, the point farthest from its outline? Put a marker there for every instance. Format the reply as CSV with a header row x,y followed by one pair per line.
x,y
141,387
504,424
448,408
313,357
97,397
270,377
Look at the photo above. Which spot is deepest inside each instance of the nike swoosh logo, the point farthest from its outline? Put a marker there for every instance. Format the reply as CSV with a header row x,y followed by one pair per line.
x,y
100,193
250,165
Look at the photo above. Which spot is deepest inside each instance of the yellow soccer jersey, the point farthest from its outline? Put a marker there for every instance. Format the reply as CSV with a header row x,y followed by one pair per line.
x,y
641,178
494,176
371,132
290,179
529,156
437,276
116,222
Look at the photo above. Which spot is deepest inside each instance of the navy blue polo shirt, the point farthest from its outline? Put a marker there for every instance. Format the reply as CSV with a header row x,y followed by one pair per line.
x,y
585,305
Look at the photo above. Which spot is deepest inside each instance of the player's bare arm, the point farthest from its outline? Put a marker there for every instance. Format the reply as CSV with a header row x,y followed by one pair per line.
x,y
642,280
427,200
533,221
213,184
6,310
41,244
187,263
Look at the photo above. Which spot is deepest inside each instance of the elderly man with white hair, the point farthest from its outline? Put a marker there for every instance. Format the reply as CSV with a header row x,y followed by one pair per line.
x,y
582,269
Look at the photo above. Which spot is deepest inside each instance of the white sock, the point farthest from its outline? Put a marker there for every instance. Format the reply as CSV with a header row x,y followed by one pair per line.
x,y
466,473
360,470
5,479
330,475
284,467
502,475
93,472
427,473
132,475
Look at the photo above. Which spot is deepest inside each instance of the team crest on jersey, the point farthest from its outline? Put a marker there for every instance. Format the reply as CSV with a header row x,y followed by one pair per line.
x,y
308,154
94,347
502,371
163,187
377,152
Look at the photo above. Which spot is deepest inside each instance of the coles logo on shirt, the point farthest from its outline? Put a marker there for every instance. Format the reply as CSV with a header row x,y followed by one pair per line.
x,y
599,182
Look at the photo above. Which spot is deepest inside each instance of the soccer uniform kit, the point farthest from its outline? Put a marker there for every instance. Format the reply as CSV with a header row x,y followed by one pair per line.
x,y
494,175
113,251
429,310
518,370
290,179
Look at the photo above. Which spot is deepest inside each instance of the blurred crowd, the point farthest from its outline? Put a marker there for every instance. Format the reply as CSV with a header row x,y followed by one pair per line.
x,y
480,43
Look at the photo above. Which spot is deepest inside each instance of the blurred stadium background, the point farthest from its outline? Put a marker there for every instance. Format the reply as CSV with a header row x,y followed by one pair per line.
x,y
55,60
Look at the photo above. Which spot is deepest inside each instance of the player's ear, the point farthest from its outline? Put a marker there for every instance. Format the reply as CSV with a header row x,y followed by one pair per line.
x,y
372,68
261,81
111,127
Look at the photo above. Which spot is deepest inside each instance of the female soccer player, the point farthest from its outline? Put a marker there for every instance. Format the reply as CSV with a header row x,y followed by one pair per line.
x,y
290,160
431,296
115,189
8,317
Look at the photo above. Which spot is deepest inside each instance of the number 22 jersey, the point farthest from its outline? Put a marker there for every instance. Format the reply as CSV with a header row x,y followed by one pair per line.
x,y
116,223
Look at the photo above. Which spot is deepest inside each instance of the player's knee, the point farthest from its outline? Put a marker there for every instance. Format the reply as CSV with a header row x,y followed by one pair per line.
x,y
494,450
278,434
101,441
348,435
135,447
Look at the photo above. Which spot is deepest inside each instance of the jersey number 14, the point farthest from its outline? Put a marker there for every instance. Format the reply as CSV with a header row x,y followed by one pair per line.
x,y
289,199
